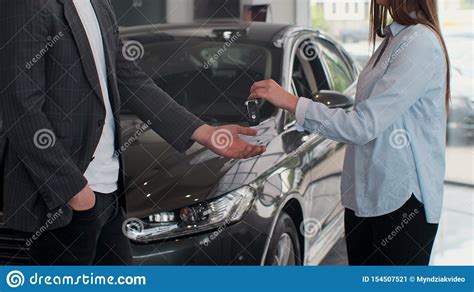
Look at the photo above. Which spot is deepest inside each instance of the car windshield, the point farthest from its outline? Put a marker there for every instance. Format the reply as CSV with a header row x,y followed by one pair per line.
x,y
210,78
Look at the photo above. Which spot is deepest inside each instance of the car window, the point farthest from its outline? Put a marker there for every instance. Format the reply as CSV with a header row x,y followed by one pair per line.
x,y
351,64
209,78
302,77
308,57
340,73
290,118
308,75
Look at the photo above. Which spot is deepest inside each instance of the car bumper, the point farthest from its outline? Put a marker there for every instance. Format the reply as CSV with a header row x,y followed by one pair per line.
x,y
238,244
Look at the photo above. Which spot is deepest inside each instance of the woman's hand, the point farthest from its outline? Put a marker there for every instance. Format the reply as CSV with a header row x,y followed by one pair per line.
x,y
272,92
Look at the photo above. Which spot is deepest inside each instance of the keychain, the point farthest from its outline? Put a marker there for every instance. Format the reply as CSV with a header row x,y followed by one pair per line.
x,y
253,113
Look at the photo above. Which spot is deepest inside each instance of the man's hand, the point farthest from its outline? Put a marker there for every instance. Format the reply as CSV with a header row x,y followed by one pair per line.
x,y
226,141
83,201
272,92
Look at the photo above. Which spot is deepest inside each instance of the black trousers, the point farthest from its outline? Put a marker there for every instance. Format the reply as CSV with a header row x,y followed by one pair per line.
x,y
93,237
402,237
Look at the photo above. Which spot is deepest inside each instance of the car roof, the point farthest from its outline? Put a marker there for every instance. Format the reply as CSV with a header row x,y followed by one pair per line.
x,y
254,31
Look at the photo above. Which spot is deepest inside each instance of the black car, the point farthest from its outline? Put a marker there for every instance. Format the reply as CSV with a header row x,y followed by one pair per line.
x,y
197,208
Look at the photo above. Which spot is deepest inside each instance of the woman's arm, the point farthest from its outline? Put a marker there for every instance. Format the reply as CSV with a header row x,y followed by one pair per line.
x,y
418,67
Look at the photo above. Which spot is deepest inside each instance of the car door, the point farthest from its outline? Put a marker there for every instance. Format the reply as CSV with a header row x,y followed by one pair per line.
x,y
311,72
341,74
341,70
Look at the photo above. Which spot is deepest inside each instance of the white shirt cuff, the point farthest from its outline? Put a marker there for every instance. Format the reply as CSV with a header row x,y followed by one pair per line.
x,y
301,107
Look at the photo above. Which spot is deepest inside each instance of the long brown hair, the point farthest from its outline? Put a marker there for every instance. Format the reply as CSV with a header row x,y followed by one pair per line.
x,y
400,10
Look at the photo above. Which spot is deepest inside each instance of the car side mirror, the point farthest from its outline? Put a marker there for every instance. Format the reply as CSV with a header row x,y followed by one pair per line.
x,y
334,99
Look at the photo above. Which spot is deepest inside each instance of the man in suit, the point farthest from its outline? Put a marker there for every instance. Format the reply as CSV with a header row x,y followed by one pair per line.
x,y
63,81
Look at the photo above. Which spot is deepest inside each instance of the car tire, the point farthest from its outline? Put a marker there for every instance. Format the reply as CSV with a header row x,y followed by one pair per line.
x,y
284,249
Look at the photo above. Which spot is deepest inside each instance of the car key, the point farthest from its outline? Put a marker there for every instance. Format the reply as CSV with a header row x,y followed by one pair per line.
x,y
253,113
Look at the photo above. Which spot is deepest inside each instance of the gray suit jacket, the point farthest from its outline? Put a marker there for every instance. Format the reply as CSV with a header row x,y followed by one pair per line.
x,y
52,107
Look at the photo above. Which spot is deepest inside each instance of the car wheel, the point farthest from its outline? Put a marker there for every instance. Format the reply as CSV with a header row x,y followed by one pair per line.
x,y
284,249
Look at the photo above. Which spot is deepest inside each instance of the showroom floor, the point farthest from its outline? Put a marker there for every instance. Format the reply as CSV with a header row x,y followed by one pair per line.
x,y
455,238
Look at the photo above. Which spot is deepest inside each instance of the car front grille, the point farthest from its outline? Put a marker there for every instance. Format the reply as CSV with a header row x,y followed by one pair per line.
x,y
13,249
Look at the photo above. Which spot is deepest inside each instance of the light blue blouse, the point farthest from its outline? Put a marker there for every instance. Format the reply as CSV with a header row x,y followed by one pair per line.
x,y
397,131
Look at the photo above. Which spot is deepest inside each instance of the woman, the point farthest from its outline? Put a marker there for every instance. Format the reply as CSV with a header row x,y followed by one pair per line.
x,y
392,185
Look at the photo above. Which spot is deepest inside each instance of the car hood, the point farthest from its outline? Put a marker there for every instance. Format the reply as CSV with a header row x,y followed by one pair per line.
x,y
159,178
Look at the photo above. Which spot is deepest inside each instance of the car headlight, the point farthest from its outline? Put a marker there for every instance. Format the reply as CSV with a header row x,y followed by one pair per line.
x,y
204,216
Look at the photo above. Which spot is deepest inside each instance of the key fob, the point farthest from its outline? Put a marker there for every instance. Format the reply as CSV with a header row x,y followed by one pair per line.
x,y
253,112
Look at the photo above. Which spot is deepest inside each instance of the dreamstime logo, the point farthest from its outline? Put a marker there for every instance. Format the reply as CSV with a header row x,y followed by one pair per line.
x,y
50,42
208,239
141,128
407,40
15,279
222,139
133,50
310,227
44,138
51,219
213,58
406,219
399,139
132,225
310,50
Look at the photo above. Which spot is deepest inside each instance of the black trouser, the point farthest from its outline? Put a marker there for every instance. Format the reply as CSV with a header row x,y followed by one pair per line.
x,y
93,237
402,237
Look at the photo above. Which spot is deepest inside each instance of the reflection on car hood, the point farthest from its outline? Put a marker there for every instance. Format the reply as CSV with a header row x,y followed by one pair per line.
x,y
158,178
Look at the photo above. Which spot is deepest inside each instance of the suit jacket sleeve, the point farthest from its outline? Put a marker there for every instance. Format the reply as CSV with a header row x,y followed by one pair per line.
x,y
27,129
142,96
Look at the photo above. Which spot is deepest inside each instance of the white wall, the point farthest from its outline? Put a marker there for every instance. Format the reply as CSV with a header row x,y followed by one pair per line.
x,y
286,11
282,11
344,9
303,12
179,11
